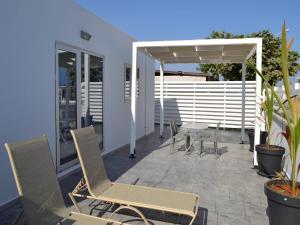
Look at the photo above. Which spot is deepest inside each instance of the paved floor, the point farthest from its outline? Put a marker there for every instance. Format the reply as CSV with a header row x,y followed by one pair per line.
x,y
231,193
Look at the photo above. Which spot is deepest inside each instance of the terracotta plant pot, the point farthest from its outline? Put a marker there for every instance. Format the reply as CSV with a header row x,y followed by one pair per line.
x,y
282,208
269,159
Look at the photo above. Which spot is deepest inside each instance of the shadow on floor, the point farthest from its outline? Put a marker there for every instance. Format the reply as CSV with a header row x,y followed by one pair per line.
x,y
102,209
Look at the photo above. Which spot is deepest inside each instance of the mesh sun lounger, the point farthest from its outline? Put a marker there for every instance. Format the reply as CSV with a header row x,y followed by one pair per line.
x,y
99,187
38,187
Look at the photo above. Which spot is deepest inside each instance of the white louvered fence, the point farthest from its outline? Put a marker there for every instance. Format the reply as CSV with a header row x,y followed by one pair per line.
x,y
199,101
207,102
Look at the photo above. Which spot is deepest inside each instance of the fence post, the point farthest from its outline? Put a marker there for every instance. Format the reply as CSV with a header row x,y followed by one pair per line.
x,y
224,115
162,120
243,102
194,105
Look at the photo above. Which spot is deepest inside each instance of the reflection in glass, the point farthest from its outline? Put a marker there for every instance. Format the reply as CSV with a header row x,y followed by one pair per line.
x,y
127,84
92,93
67,104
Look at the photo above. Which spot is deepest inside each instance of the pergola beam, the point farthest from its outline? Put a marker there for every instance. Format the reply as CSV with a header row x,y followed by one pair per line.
x,y
198,42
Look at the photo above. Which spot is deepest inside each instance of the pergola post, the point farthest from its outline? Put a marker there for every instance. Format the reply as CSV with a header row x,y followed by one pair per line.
x,y
133,102
258,122
161,99
243,102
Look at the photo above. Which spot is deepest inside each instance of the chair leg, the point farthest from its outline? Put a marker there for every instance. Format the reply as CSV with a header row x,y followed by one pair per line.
x,y
216,147
187,142
173,144
201,147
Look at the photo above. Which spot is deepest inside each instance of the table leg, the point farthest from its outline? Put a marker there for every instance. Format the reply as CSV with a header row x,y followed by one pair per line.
x,y
201,147
188,143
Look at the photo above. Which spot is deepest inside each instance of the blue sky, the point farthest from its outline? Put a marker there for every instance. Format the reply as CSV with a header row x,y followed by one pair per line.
x,y
196,19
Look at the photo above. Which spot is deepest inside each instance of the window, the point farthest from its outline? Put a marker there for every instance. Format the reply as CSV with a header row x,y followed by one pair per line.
x,y
127,84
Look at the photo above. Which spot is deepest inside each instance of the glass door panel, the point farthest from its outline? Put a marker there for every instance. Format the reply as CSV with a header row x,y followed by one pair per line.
x,y
92,93
67,104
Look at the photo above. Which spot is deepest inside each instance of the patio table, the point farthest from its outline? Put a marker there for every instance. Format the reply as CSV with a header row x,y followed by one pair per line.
x,y
193,131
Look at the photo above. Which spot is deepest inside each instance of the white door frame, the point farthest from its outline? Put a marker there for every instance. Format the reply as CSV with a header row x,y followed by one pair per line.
x,y
59,46
77,51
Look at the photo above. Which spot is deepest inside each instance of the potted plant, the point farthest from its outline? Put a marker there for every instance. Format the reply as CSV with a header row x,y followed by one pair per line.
x,y
284,193
269,156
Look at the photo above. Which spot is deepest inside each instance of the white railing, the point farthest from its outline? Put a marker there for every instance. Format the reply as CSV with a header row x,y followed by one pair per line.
x,y
95,100
207,102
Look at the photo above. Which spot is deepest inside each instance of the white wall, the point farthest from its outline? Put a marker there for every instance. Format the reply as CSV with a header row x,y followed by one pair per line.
x,y
27,78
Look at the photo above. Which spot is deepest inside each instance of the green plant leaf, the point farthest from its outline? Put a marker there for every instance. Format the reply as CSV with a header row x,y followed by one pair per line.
x,y
280,176
278,100
268,107
284,60
290,43
297,133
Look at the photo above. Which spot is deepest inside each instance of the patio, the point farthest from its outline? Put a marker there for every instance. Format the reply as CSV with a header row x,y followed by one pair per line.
x,y
225,196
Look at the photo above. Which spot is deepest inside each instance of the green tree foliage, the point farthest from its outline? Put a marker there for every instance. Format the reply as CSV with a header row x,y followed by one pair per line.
x,y
270,59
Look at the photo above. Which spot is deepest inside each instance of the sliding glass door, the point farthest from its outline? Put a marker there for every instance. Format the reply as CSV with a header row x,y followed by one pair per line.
x,y
79,98
92,93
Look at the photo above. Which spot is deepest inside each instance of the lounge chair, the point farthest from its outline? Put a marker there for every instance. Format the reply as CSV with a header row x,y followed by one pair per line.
x,y
38,187
99,187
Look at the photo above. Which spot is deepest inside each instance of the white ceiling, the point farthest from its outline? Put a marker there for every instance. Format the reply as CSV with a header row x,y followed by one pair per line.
x,y
208,51
201,54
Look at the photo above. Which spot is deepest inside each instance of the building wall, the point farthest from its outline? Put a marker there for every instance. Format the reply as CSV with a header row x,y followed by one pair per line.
x,y
27,94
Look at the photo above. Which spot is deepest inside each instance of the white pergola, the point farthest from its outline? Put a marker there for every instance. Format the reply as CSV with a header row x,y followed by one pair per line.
x,y
206,51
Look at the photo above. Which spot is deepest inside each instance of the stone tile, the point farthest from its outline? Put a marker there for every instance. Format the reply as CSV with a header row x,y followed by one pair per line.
x,y
230,191
230,207
211,218
255,210
232,219
259,220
